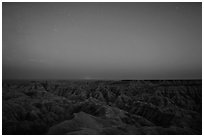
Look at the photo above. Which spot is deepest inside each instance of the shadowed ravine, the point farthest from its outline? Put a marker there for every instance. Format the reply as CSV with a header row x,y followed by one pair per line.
x,y
102,107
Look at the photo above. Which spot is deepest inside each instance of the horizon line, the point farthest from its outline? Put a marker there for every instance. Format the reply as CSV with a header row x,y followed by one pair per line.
x,y
95,79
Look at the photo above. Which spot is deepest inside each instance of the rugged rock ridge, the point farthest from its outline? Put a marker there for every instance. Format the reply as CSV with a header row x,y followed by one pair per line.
x,y
102,107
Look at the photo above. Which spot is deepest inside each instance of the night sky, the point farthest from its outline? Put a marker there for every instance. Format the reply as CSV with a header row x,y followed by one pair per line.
x,y
102,41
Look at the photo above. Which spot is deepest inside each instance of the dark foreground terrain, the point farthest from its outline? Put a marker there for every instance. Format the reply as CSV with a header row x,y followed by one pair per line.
x,y
102,107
